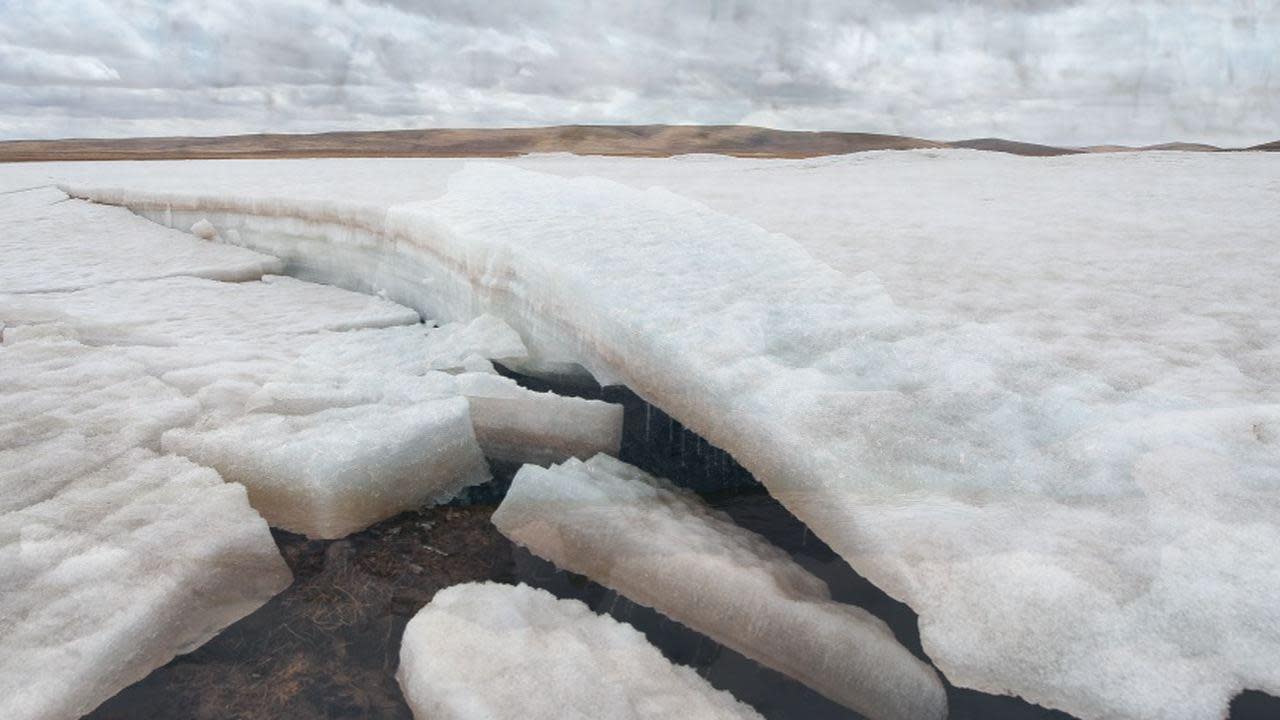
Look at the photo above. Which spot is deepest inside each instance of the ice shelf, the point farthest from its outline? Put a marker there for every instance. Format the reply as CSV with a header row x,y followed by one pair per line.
x,y
498,652
664,548
1047,422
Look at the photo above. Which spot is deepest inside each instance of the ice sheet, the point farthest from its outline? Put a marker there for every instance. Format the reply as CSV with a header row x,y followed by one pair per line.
x,y
484,650
1010,425
664,548
51,242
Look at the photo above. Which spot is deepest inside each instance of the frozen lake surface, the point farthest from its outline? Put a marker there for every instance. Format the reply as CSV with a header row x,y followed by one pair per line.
x,y
1036,400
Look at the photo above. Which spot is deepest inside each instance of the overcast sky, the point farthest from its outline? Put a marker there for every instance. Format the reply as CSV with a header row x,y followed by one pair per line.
x,y
1056,71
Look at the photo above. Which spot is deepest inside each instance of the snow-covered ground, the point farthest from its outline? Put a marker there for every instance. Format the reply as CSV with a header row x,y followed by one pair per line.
x,y
1036,399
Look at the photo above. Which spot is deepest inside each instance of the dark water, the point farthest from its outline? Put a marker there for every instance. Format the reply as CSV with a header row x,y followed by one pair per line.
x,y
327,648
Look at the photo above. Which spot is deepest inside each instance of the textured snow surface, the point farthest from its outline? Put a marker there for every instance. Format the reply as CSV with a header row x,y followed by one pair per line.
x,y
331,420
484,651
277,400
195,311
112,560
665,548
51,242
1036,399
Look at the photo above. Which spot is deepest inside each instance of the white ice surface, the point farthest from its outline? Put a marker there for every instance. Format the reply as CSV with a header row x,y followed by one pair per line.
x,y
50,242
484,651
194,311
330,471
1047,420
112,560
354,447
520,425
664,548
328,468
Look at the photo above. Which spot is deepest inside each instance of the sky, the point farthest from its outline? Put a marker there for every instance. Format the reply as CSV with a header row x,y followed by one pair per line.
x,y
1066,72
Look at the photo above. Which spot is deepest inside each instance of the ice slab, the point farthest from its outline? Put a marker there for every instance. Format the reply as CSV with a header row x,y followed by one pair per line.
x,y
327,471
664,548
196,311
51,242
347,451
520,425
484,650
1025,316
67,409
117,571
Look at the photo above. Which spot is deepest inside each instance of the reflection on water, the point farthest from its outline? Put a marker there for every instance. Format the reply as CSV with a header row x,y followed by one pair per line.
x,y
327,648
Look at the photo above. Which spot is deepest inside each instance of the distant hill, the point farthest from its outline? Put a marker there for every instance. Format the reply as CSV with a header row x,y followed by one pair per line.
x,y
638,140
628,140
1013,147
1178,146
1270,147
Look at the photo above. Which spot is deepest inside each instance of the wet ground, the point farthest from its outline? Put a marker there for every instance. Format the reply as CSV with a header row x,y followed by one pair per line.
x,y
327,648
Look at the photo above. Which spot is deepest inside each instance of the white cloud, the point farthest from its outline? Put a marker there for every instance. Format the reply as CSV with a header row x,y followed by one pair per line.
x,y
1059,71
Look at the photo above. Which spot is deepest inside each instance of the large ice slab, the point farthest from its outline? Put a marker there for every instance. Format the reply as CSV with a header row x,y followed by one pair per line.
x,y
67,409
116,573
112,560
51,242
499,652
664,548
995,416
326,470
195,311
369,429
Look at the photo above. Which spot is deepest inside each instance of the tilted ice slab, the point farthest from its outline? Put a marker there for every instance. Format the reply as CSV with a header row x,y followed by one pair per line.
x,y
51,242
112,560
516,424
1028,494
498,652
664,548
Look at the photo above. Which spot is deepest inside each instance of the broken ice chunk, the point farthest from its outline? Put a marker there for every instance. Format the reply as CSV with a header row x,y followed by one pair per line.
x,y
117,572
516,424
204,230
484,650
664,548
52,243
337,470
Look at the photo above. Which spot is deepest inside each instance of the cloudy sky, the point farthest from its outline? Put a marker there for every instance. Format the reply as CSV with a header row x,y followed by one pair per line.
x,y
1057,71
